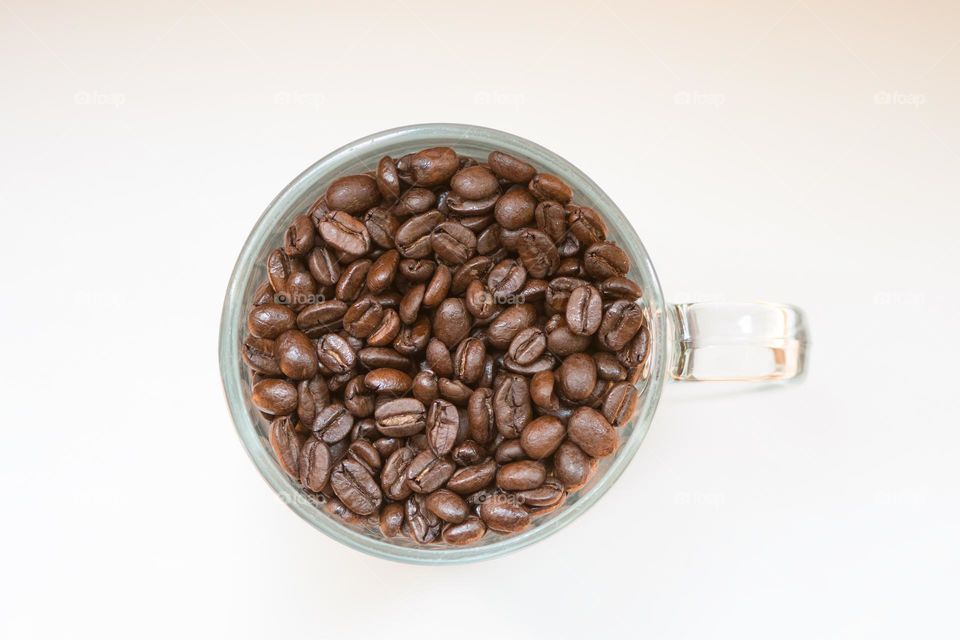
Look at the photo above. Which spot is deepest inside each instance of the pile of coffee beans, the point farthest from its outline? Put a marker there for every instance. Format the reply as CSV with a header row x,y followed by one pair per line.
x,y
446,346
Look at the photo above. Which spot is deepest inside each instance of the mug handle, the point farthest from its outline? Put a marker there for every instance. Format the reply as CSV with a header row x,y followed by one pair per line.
x,y
745,341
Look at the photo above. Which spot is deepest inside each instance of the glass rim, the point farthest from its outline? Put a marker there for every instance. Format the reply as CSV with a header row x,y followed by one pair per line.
x,y
233,313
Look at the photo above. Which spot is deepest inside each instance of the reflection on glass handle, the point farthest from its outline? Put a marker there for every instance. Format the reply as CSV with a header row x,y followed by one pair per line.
x,y
747,341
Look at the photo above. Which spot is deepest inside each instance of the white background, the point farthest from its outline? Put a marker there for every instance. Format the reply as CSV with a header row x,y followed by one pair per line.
x,y
797,151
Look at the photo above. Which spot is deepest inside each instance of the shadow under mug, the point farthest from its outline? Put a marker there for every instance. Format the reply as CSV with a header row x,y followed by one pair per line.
x,y
698,341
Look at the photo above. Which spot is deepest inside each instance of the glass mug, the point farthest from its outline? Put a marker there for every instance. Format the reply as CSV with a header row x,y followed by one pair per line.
x,y
699,341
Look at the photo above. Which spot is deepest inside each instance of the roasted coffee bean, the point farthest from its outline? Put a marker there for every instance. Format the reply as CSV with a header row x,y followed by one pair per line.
x,y
300,291
279,267
543,499
313,395
428,472
506,279
447,506
511,406
364,429
345,233
300,237
542,391
439,358
388,381
323,266
391,520
570,268
481,416
336,354
388,182
333,423
620,404
354,485
378,357
424,525
590,431
353,194
383,271
528,345
352,280
263,294
401,417
475,183
559,290
464,533
586,225
577,376
413,237
501,513
429,168
382,226
584,311
335,508
605,260
561,341
546,362
413,339
609,368
438,286
297,355
365,453
637,350
320,318
488,240
315,465
509,168
537,252
521,475
393,478
459,206
286,446
411,303
443,424
572,466
468,360
473,478
451,322
260,355
414,201
479,301
515,209
453,243
417,270
275,397
542,436
505,327
270,320
476,268
467,453
454,391
620,287
545,186
621,322
387,331
551,218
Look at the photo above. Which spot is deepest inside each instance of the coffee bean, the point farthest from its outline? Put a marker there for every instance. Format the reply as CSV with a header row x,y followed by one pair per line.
x,y
424,525
605,260
620,404
572,466
584,310
464,533
320,318
473,478
468,360
315,465
275,397
561,340
549,494
620,287
520,475
388,182
505,327
479,301
388,381
590,431
551,218
391,520
300,237
286,446
542,391
542,436
511,406
387,331
467,453
447,506
528,345
475,183
501,513
297,355
453,243
515,209
510,168
345,233
352,280
609,368
356,488
586,225
270,320
393,478
429,168
451,322
333,423
260,355
383,271
545,186
313,395
537,252
336,354
353,194
442,426
506,279
577,376
428,472
401,417
414,201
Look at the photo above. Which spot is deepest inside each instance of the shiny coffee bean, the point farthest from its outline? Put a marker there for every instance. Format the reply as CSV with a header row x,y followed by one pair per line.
x,y
424,526
333,423
515,209
286,445
443,425
428,472
620,404
275,397
391,520
388,381
605,260
315,465
388,182
401,417
297,355
577,376
464,533
584,311
270,320
353,194
345,233
542,436
521,475
510,168
353,483
447,506
501,512
511,406
429,168
545,186
590,431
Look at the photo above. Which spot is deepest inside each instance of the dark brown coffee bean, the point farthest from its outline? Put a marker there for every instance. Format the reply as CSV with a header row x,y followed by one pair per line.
x,y
505,327
559,290
263,294
464,533
636,352
479,301
476,268
429,168
413,339
388,381
300,291
300,237
393,478
286,446
510,451
506,279
388,330
584,311
475,183
521,475
353,194
590,431
438,287
577,376
621,322
609,368
354,485
511,406
382,226
451,322
401,417
572,466
383,271
546,362
274,397
345,233
365,453
488,240
570,268
453,243
413,236
586,225
473,478
468,453
542,391
363,317
620,287
480,415
545,186
313,395
333,423
428,472
424,525
620,404
468,360
454,391
528,345
561,341
321,318
352,280
377,357
447,506
551,218
510,168
605,260
323,266
388,182
297,355
442,427
260,355
543,499
280,266
501,513
410,304
414,201
537,252
391,520
515,209
336,354
315,465
542,436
